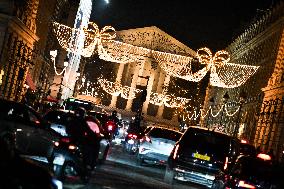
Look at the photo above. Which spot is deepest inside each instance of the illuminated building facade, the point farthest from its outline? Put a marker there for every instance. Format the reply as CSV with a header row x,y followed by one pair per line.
x,y
261,118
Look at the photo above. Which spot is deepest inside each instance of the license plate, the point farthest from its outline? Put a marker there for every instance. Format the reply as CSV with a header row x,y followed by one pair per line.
x,y
200,156
130,141
59,160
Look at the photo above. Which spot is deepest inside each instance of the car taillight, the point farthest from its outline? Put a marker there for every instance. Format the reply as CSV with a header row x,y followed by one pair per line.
x,y
265,157
65,140
226,163
175,152
243,184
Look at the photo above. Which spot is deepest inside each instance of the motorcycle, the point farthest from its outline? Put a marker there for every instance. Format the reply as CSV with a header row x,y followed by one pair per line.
x,y
68,161
131,143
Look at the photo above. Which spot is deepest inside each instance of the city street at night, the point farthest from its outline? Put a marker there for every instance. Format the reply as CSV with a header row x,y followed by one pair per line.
x,y
141,94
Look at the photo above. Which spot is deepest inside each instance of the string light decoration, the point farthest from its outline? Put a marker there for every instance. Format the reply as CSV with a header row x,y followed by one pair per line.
x,y
116,89
119,52
53,55
93,37
188,115
168,100
223,74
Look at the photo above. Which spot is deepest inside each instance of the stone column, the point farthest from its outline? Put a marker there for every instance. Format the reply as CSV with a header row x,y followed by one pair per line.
x,y
118,79
137,71
162,82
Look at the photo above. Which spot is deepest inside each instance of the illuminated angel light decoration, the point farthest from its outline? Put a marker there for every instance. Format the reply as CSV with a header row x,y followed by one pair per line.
x,y
225,74
93,37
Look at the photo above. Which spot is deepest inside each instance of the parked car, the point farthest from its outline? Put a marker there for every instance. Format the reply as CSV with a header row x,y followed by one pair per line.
x,y
59,121
156,145
33,135
248,172
199,155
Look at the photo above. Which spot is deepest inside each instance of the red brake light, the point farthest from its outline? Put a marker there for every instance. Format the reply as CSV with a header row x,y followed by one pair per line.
x,y
130,135
264,156
244,141
134,136
226,163
65,140
245,185
109,127
175,152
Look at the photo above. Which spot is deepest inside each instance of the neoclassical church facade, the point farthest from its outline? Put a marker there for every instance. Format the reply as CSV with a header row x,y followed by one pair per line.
x,y
147,74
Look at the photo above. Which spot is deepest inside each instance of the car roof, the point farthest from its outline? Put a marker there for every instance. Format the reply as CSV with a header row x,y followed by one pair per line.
x,y
207,129
169,129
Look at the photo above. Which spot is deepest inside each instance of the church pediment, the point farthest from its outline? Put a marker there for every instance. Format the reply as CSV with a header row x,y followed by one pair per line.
x,y
155,39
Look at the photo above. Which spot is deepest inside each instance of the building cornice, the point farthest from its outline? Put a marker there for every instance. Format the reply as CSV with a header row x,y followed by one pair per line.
x,y
19,28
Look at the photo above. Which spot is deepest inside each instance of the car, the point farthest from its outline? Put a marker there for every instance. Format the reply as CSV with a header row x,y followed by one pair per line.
x,y
109,126
33,136
59,122
247,149
199,155
248,172
156,146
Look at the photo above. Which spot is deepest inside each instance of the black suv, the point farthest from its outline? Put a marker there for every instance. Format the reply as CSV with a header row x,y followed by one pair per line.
x,y
199,155
33,135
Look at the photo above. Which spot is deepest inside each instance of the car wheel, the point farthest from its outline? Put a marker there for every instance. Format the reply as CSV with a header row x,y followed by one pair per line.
x,y
169,175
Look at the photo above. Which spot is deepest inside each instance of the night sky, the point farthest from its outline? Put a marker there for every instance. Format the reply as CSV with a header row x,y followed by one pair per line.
x,y
195,23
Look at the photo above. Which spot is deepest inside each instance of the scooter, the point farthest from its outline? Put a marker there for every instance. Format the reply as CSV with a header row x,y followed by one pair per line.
x,y
68,161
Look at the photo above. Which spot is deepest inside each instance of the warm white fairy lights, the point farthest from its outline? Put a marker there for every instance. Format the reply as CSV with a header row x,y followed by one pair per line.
x,y
116,89
168,100
223,74
119,52
93,37
194,115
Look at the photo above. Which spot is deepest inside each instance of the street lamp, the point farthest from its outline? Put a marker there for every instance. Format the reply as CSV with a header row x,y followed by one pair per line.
x,y
242,100
226,97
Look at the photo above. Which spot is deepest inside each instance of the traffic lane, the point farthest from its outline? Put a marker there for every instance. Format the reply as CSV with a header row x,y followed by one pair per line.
x,y
113,175
121,171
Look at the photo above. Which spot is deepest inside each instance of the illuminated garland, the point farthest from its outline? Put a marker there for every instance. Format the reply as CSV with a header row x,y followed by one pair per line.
x,y
193,116
116,89
168,100
223,74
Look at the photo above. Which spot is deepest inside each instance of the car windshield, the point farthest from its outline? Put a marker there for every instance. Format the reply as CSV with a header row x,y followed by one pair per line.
x,y
206,142
165,133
